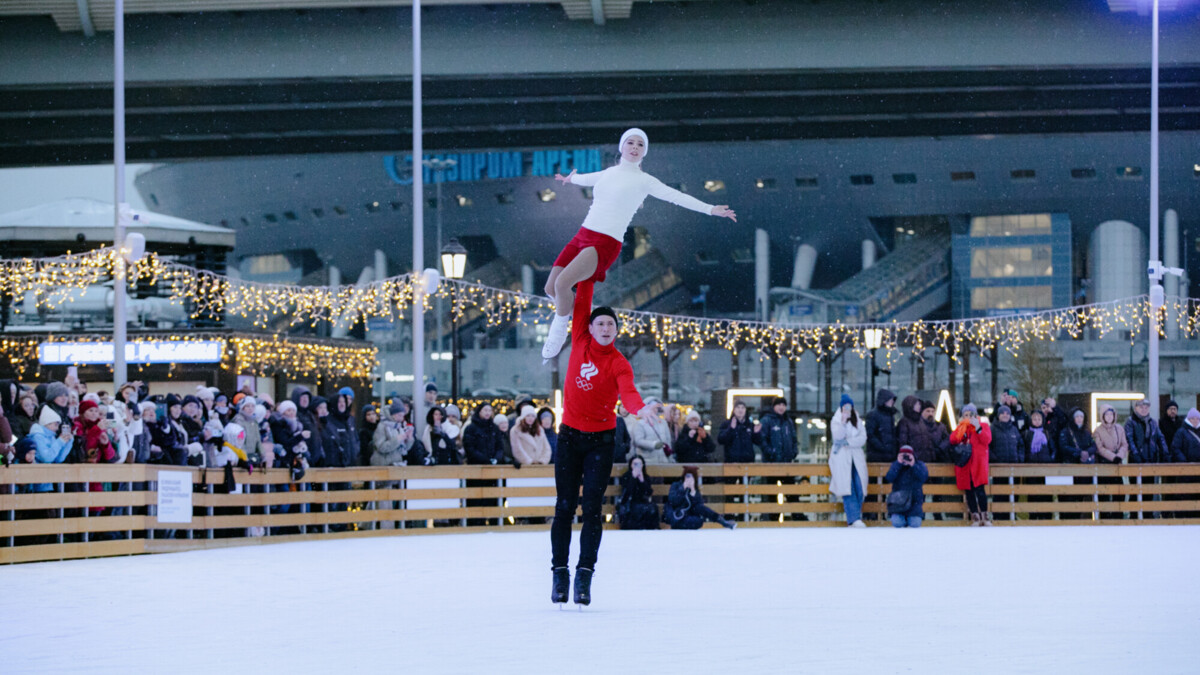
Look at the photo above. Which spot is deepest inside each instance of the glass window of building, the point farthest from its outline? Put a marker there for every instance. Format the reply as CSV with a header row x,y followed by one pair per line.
x,y
862,179
1003,298
1009,226
1083,174
810,182
960,176
1015,261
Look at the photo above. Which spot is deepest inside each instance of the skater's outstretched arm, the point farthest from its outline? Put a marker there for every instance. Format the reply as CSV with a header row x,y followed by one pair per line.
x,y
583,310
670,194
584,179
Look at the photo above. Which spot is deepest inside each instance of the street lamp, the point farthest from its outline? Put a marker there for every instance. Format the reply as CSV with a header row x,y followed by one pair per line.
x,y
454,264
873,338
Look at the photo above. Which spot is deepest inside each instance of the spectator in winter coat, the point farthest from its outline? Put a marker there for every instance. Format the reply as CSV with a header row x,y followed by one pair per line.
x,y
366,435
848,461
24,416
1171,422
694,444
143,430
636,509
673,418
171,438
193,419
1038,449
291,438
912,431
881,428
776,434
58,397
1186,447
341,431
1020,420
253,445
685,509
1111,445
622,441
302,398
528,439
907,476
972,479
482,439
651,435
393,437
52,442
737,436
503,425
939,435
1075,443
440,446
546,419
1007,446
455,428
1147,445
1054,419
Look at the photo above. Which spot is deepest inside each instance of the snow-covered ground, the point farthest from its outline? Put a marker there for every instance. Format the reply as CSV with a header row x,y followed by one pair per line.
x,y
939,600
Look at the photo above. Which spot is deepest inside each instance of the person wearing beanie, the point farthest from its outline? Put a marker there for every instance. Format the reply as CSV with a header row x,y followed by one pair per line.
x,y
776,434
1186,447
1171,422
253,445
1147,445
905,504
881,428
685,508
1007,446
1055,420
694,445
170,437
393,437
973,478
341,431
58,397
912,431
848,461
221,409
650,435
1076,444
618,193
366,433
52,441
736,435
528,439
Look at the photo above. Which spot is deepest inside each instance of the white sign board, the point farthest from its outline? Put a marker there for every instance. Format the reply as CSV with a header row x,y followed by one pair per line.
x,y
174,496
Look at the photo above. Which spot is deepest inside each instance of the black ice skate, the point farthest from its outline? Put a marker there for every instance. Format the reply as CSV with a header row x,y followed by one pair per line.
x,y
583,586
562,582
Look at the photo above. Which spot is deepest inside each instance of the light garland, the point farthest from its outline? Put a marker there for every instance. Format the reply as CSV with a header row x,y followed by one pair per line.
x,y
54,281
242,354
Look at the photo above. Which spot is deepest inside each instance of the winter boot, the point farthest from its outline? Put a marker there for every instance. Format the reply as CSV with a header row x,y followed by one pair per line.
x,y
976,520
562,582
987,519
583,586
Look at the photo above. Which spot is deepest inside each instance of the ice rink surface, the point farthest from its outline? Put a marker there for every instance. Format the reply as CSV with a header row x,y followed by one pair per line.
x,y
938,600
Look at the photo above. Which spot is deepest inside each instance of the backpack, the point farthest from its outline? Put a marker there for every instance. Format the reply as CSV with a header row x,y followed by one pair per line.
x,y
960,454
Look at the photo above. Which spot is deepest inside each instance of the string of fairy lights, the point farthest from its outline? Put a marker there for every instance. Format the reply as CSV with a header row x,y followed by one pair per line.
x,y
48,283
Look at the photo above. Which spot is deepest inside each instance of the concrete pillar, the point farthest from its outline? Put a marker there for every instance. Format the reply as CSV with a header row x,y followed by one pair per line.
x,y
1171,259
762,274
868,253
804,266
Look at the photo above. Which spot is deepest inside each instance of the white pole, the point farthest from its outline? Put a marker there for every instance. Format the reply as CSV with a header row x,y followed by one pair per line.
x,y
418,235
119,369
1152,349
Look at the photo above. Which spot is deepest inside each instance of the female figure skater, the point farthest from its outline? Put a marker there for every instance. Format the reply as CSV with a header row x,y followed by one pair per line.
x,y
619,192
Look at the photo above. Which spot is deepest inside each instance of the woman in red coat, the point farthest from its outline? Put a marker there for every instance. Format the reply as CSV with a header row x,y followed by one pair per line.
x,y
972,479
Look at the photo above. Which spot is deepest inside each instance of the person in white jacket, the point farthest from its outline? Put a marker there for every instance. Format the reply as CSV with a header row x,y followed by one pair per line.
x,y
618,193
651,436
848,461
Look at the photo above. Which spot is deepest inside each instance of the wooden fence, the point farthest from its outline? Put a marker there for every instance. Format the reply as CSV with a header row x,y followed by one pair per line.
x,y
52,512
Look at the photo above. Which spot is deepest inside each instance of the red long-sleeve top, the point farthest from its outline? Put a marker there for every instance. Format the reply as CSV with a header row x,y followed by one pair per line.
x,y
596,375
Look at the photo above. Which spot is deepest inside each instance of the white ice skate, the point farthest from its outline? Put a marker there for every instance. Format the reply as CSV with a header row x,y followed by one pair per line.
x,y
556,337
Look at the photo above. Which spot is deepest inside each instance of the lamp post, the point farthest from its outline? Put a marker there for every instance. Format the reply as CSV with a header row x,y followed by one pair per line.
x,y
873,337
439,166
454,264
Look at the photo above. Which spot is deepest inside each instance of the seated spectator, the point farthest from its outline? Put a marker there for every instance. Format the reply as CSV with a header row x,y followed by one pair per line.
x,y
848,461
736,435
528,439
1075,443
439,444
906,502
1186,447
636,509
694,445
1111,446
393,437
1147,445
685,509
1006,446
1038,449
546,418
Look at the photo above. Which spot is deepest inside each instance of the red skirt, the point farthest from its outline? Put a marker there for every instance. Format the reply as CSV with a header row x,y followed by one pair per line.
x,y
607,250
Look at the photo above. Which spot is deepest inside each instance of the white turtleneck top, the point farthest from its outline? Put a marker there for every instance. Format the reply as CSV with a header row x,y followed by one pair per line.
x,y
618,193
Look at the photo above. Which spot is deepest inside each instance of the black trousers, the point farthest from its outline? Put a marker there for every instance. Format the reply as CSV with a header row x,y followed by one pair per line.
x,y
977,501
584,460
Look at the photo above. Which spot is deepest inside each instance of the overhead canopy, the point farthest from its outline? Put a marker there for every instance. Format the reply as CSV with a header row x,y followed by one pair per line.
x,y
68,218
